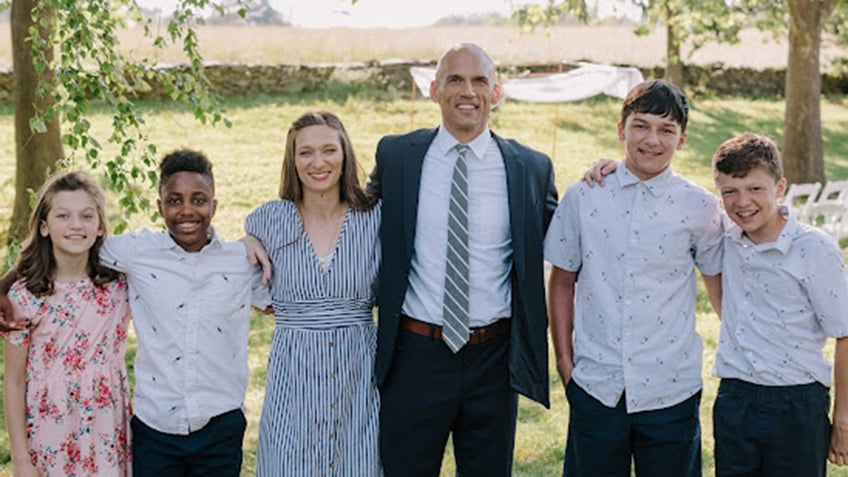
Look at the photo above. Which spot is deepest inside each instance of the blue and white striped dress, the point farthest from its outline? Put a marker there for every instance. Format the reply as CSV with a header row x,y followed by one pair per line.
x,y
320,415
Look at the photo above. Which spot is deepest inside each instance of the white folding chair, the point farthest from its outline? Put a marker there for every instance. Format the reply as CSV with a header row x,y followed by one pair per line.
x,y
830,211
799,197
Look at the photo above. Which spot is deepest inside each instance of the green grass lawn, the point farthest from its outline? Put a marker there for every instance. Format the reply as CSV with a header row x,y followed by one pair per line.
x,y
247,160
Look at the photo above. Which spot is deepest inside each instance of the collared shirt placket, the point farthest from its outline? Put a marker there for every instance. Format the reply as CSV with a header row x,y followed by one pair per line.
x,y
630,334
192,321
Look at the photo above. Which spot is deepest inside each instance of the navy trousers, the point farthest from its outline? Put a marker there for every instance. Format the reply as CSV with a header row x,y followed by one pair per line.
x,y
432,393
213,451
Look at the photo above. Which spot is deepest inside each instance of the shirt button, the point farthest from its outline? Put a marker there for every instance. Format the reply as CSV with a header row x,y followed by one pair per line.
x,y
330,344
331,464
332,375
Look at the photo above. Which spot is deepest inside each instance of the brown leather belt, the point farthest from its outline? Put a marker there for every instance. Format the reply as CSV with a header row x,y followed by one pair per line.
x,y
477,335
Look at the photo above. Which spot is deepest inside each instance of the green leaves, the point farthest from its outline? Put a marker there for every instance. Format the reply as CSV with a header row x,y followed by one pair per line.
x,y
82,67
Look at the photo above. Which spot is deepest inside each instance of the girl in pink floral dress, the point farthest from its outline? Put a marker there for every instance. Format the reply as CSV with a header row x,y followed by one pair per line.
x,y
66,392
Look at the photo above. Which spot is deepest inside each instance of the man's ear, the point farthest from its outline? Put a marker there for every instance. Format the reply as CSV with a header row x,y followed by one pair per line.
x,y
434,91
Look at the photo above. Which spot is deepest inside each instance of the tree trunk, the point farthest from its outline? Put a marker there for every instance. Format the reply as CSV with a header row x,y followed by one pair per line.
x,y
803,151
673,63
36,153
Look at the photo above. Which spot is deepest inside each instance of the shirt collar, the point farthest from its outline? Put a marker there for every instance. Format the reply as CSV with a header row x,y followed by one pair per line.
x,y
784,241
166,242
444,142
656,185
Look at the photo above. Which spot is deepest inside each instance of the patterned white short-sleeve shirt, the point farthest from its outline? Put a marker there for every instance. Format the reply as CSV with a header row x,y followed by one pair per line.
x,y
635,245
781,301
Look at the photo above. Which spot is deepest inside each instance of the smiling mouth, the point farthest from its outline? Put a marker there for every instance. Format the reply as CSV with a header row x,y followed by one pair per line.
x,y
650,154
187,227
745,216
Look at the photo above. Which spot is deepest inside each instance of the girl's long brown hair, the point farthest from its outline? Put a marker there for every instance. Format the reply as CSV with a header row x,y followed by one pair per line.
x,y
37,265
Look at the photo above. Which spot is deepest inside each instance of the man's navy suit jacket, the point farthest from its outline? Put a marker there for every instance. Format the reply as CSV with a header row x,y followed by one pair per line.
x,y
532,201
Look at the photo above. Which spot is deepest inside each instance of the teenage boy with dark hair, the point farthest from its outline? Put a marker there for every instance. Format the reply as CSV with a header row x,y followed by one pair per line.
x,y
785,291
627,350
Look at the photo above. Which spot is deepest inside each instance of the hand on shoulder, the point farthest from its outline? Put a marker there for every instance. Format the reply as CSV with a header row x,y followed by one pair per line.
x,y
602,167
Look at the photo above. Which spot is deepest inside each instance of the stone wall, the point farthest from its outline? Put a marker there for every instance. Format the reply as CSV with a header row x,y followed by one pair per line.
x,y
243,79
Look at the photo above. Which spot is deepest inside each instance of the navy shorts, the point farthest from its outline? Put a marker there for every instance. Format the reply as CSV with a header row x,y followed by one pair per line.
x,y
771,431
606,442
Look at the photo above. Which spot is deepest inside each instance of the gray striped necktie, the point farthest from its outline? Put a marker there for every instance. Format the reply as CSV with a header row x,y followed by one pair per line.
x,y
455,310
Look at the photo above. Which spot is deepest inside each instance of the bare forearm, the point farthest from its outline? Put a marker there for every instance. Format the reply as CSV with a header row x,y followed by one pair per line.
x,y
7,321
713,286
7,280
561,315
14,388
839,435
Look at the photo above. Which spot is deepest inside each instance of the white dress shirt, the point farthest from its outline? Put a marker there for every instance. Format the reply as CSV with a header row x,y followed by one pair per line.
x,y
489,239
191,313
780,302
635,245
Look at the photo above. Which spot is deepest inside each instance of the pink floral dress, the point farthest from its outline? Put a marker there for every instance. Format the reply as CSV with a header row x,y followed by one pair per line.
x,y
77,398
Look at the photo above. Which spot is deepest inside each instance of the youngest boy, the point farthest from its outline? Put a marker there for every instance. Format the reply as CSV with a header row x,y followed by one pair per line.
x,y
190,295
785,290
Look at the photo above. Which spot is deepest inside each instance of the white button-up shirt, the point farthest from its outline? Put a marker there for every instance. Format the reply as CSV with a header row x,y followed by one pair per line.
x,y
489,239
780,302
635,245
191,314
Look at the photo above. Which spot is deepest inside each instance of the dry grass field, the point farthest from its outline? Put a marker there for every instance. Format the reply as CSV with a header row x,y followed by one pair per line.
x,y
613,44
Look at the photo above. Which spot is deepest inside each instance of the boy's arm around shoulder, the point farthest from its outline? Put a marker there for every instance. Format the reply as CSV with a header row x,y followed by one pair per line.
x,y
260,291
838,453
258,256
600,168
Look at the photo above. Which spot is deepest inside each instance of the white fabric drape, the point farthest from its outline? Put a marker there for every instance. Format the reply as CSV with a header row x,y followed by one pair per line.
x,y
583,82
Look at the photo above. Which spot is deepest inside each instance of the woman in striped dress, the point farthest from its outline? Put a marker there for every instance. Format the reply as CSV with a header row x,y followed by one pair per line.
x,y
320,415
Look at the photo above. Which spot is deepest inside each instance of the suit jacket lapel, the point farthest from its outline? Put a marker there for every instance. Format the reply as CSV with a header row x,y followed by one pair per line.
x,y
418,145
